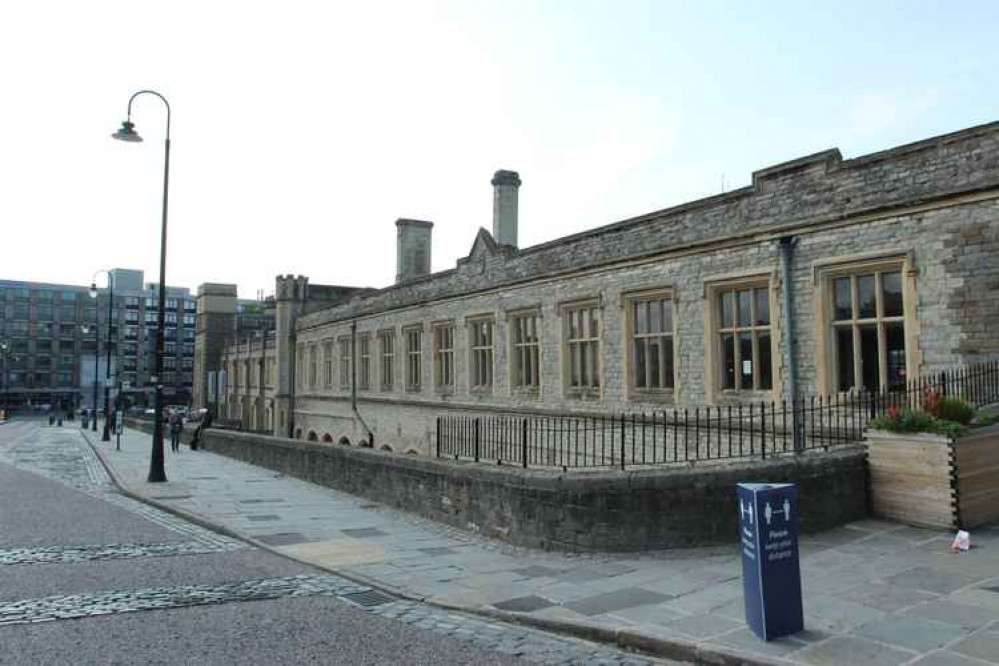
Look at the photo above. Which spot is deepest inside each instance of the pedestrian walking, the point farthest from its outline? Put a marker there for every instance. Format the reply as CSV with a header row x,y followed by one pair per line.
x,y
176,427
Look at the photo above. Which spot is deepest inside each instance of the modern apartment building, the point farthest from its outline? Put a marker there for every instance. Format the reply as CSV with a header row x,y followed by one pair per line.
x,y
53,332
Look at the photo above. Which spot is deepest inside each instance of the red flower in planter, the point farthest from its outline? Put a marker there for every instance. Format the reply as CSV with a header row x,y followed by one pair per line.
x,y
931,400
893,412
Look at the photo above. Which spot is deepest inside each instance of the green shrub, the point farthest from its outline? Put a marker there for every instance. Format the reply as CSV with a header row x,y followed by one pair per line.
x,y
988,416
910,420
955,409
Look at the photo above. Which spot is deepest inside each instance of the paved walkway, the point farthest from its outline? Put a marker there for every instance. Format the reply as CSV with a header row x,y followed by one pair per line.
x,y
875,592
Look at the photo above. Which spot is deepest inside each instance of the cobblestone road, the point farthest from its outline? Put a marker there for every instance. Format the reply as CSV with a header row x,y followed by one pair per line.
x,y
396,631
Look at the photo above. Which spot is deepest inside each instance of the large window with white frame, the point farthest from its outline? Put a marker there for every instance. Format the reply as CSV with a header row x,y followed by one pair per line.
x,y
328,364
480,333
867,321
525,351
386,343
651,352
364,342
444,357
344,362
744,338
414,358
581,331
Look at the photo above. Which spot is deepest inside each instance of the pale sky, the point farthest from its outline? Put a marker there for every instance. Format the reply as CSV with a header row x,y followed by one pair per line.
x,y
302,130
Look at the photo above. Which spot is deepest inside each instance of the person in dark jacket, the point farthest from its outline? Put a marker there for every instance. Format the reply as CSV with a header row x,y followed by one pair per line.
x,y
176,427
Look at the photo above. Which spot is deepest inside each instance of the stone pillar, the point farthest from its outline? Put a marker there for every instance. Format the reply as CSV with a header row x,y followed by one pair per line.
x,y
412,249
506,184
215,325
290,294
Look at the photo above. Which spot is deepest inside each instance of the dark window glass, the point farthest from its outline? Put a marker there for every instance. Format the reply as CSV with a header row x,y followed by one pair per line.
x,y
869,362
891,286
654,362
746,361
844,299
895,341
640,363
844,357
866,299
641,317
762,307
668,360
765,362
728,361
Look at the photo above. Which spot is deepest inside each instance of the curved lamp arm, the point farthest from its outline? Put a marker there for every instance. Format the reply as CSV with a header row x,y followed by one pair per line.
x,y
162,98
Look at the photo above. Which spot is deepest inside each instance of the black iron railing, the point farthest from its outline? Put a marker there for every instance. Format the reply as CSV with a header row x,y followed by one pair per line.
x,y
697,434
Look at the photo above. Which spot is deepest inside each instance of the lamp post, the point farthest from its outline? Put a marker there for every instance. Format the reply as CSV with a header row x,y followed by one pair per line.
x,y
106,437
97,355
157,472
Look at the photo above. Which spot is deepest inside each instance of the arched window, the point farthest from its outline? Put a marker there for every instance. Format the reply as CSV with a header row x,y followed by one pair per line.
x,y
313,437
328,438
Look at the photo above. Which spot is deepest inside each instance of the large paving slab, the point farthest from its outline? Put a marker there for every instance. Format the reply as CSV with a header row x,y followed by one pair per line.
x,y
875,592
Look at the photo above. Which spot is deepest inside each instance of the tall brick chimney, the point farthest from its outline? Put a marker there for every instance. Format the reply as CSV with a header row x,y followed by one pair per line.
x,y
412,249
505,186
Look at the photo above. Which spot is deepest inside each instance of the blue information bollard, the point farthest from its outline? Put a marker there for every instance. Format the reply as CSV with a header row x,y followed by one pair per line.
x,y
771,576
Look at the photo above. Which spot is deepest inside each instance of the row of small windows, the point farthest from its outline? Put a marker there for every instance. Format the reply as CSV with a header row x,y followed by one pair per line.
x,y
866,320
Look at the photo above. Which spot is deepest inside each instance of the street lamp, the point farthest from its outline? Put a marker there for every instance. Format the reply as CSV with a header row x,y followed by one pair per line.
x,y
157,472
97,354
106,437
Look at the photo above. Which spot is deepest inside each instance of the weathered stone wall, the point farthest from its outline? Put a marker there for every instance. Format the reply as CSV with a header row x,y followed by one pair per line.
x,y
955,292
583,511
813,189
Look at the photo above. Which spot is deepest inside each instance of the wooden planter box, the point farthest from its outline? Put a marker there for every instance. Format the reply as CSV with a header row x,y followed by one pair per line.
x,y
934,481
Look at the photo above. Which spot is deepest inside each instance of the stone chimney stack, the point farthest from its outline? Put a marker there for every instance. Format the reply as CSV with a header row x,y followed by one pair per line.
x,y
505,186
412,249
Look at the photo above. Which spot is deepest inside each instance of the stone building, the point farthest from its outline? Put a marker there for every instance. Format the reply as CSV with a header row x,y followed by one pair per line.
x,y
823,275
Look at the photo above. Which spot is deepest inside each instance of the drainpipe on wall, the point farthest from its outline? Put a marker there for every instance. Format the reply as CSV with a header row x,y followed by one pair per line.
x,y
353,383
786,246
291,393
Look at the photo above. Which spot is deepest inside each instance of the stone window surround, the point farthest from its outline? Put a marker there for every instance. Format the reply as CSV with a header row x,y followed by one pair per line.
x,y
441,327
825,270
489,350
517,390
413,357
564,308
713,286
386,355
327,363
313,364
343,346
628,298
364,356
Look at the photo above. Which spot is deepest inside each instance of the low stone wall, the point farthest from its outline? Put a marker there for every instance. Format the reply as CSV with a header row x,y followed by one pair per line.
x,y
934,481
600,510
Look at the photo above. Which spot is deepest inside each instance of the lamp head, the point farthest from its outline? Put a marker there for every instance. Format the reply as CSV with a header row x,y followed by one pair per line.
x,y
85,328
127,132
93,290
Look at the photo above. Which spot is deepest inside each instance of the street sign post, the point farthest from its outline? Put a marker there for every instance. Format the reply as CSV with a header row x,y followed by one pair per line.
x,y
771,576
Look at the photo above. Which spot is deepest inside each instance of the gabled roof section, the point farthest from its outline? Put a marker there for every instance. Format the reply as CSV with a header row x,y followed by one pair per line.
x,y
485,248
